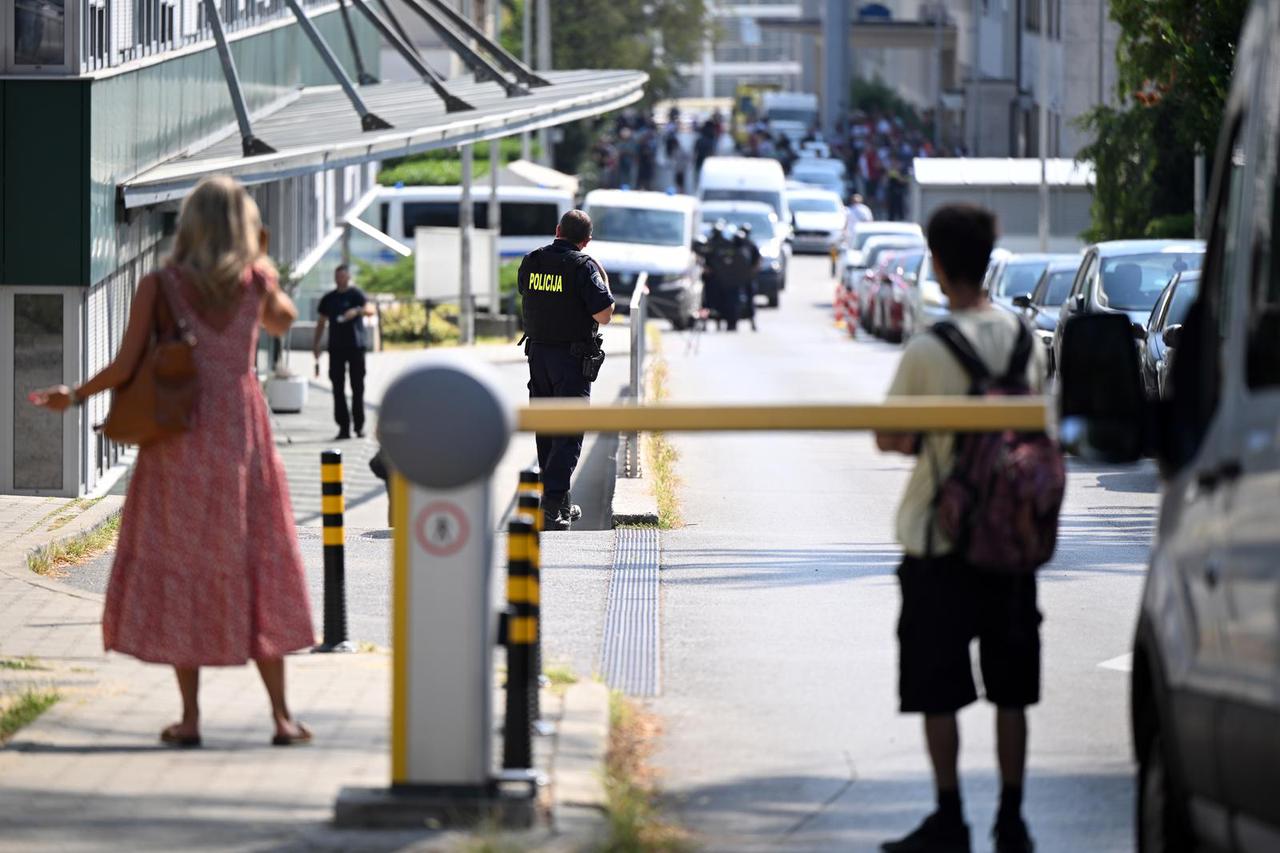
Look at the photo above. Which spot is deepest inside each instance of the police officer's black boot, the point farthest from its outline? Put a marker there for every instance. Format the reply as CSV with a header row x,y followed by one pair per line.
x,y
555,512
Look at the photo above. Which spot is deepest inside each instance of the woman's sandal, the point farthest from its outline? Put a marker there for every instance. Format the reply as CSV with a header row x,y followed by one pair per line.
x,y
302,737
171,737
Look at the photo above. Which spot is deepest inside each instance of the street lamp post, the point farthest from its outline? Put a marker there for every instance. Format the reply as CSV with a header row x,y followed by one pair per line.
x,y
526,48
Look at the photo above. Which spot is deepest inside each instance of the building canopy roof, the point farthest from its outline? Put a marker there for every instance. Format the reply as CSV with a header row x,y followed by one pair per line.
x,y
318,130
1000,172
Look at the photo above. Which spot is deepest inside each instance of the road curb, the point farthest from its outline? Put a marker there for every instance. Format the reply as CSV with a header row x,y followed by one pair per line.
x,y
15,564
579,801
634,503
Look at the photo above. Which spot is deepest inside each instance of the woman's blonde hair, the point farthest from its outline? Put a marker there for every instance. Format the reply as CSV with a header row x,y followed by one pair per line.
x,y
219,237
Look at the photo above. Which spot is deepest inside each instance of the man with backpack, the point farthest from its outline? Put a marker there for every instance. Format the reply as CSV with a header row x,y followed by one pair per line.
x,y
979,515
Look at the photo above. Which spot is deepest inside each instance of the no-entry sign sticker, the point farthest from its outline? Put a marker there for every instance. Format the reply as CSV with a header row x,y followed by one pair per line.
x,y
442,529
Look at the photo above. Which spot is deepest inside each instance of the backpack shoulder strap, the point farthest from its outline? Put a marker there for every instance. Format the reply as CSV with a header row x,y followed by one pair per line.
x,y
1021,357
960,348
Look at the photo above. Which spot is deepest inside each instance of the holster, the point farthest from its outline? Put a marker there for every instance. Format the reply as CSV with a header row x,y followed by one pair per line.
x,y
592,355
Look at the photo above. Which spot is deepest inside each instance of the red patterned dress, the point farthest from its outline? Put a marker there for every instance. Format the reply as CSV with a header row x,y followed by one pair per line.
x,y
208,571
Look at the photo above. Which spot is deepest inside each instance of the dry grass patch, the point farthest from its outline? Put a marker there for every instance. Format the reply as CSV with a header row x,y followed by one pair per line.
x,y
24,708
636,821
51,559
660,454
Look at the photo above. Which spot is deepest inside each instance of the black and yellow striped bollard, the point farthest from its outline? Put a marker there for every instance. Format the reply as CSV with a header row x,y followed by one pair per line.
x,y
529,502
522,639
332,507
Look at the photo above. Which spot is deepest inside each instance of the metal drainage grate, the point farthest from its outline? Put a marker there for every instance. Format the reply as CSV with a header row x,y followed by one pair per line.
x,y
629,659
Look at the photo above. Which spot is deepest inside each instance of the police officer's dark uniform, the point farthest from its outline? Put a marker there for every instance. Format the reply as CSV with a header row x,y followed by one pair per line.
x,y
562,288
751,257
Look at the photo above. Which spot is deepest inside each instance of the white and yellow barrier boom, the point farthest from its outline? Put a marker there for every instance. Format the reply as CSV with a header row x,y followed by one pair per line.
x,y
917,414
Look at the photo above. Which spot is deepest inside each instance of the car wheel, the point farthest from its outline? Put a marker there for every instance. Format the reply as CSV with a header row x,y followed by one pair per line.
x,y
1161,820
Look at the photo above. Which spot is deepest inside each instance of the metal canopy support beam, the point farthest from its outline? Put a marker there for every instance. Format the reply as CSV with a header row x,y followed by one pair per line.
x,y
368,120
835,64
404,36
249,143
452,103
362,76
481,67
522,72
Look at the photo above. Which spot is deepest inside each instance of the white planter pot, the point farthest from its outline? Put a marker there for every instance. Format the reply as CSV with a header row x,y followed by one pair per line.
x,y
286,395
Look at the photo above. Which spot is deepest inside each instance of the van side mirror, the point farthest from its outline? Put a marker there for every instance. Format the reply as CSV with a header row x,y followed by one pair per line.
x,y
1139,332
1101,406
1022,300
1171,335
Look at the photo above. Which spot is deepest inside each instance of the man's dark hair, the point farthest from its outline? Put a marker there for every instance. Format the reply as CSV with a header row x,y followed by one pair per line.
x,y
575,226
341,268
961,237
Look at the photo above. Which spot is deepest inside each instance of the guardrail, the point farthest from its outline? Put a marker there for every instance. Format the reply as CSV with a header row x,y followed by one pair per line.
x,y
639,315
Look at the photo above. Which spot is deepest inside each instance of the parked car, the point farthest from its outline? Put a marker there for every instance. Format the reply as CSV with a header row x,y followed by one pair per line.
x,y
635,232
1042,305
893,295
1012,276
1157,342
854,264
766,232
820,220
1125,277
874,254
828,173
927,305
1205,672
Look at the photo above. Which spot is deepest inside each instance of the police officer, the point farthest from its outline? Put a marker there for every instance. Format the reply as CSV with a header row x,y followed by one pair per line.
x,y
565,298
751,259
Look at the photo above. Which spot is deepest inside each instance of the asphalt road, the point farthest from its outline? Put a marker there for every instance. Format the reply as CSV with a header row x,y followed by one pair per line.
x,y
779,612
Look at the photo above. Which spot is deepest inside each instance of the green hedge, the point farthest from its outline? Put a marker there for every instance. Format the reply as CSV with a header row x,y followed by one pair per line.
x,y
443,167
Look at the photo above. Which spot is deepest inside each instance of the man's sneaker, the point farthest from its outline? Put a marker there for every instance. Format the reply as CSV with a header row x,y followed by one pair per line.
x,y
554,520
342,435
1011,836
575,512
934,835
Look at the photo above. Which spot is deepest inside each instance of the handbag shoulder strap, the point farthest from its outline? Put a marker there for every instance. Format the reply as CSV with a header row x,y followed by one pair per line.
x,y
169,324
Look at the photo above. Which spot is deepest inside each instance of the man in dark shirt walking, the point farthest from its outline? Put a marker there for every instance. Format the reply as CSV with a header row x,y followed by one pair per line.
x,y
565,298
343,309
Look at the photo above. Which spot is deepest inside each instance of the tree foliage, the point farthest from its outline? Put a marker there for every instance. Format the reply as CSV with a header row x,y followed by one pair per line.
x,y
1174,60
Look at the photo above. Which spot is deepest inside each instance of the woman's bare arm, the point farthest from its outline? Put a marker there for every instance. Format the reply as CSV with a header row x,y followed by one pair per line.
x,y
278,310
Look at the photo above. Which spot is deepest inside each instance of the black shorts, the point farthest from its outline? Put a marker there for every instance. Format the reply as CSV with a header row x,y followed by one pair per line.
x,y
945,605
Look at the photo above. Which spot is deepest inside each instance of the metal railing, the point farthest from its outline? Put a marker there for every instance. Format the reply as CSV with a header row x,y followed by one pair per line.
x,y
115,32
639,314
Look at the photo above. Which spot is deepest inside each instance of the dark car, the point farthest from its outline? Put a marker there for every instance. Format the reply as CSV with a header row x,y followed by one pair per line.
x,y
1042,304
1159,339
1125,277
1011,276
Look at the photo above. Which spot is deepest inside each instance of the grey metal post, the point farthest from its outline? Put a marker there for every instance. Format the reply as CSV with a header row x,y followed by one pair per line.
x,y
526,53
835,55
249,144
975,76
467,311
1043,86
363,76
368,120
1198,194
939,14
544,64
639,312
480,41
495,225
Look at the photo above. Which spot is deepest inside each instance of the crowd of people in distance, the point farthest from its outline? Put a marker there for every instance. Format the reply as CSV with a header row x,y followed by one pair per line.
x,y
640,151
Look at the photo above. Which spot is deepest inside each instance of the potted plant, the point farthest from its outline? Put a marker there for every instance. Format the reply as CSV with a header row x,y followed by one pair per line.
x,y
286,391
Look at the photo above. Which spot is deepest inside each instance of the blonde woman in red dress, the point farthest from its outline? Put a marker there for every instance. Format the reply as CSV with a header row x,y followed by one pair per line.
x,y
207,571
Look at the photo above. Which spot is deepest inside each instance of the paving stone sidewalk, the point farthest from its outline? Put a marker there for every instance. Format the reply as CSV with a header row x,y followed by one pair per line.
x,y
90,774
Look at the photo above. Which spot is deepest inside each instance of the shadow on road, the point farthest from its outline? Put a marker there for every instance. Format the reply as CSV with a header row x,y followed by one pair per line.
x,y
1065,811
768,567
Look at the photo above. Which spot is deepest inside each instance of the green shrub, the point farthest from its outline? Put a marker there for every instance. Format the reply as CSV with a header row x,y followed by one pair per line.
x,y
394,278
443,166
403,322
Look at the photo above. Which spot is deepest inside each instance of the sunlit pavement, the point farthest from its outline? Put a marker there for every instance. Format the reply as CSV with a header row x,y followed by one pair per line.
x,y
780,604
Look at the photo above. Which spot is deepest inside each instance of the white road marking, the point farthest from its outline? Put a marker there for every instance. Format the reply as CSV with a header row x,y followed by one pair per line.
x,y
1123,663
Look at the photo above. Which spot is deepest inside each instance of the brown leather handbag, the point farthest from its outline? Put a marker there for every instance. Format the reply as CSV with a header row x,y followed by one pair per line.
x,y
158,401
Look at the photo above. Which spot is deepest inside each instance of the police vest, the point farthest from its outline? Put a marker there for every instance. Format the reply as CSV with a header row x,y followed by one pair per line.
x,y
553,313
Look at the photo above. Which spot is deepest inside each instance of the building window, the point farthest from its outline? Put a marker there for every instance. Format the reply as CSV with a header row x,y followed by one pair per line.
x,y
37,363
39,37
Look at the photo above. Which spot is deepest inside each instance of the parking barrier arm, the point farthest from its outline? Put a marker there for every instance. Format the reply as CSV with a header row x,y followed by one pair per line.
x,y
917,414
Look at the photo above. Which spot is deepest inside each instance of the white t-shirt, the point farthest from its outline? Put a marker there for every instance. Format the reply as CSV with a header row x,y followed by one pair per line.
x,y
928,369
